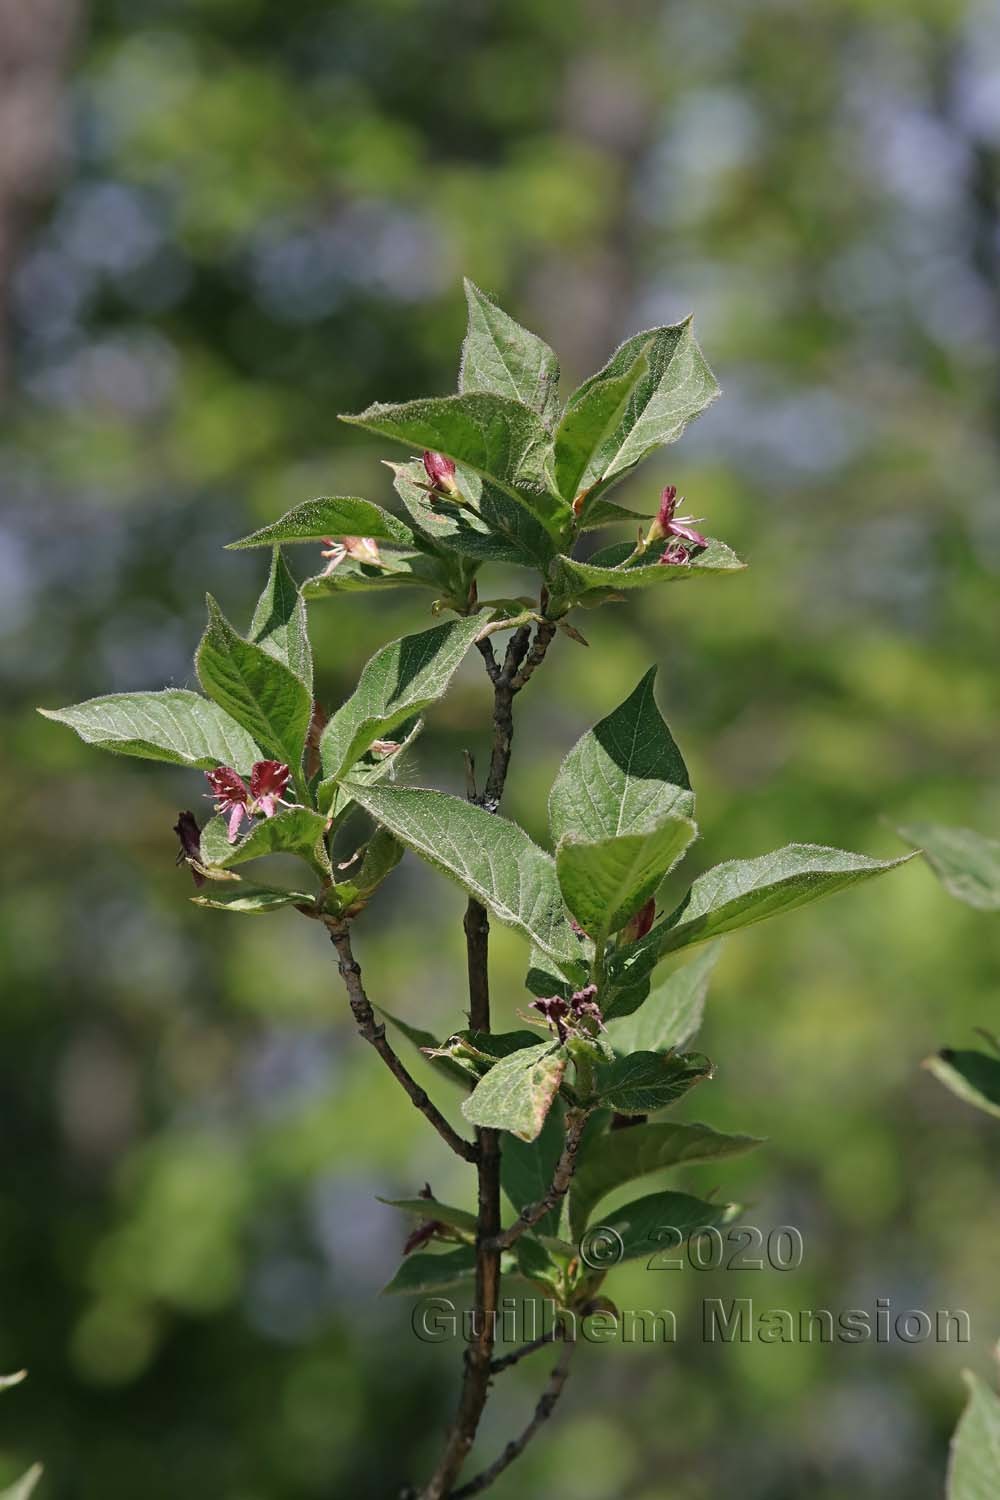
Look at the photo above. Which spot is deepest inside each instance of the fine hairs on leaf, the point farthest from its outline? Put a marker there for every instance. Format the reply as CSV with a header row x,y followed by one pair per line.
x,y
557,1111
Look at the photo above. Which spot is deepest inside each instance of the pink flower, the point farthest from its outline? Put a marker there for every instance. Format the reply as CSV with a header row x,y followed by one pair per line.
x,y
236,801
570,1017
363,549
441,473
669,524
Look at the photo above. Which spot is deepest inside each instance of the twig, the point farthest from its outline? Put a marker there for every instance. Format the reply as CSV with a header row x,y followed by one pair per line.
x,y
508,1360
544,632
374,1032
514,1449
558,1187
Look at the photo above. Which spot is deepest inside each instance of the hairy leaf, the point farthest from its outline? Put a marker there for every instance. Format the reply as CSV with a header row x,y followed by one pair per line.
x,y
293,830
646,1081
526,1168
621,776
973,1076
606,574
400,571
498,530
498,438
607,881
672,1014
743,891
966,863
974,1465
648,1224
399,681
339,515
175,725
258,690
490,858
675,386
621,1156
517,1093
279,621
593,423
252,900
500,356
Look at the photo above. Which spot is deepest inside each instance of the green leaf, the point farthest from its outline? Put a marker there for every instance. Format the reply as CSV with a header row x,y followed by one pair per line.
x,y
250,899
340,515
428,1271
973,1076
490,858
675,386
426,1043
475,1052
526,1168
966,863
398,682
401,571
430,1208
25,1486
604,883
518,1091
292,830
600,512
621,776
645,1081
381,856
974,1465
256,689
591,424
621,1156
498,530
7,1382
743,891
500,356
279,621
534,1263
176,726
605,574
671,1015
647,1225
499,439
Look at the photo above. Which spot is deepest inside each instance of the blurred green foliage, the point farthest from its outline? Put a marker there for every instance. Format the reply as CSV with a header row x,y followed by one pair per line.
x,y
263,221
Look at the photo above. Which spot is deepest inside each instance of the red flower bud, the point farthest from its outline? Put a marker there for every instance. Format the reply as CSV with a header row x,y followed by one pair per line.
x,y
638,925
440,472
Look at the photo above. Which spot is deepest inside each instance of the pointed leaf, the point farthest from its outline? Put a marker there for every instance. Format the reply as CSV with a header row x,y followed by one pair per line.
x,y
176,726
293,830
974,1465
675,387
973,1076
279,621
426,1271
593,422
499,355
526,1168
621,1156
606,574
25,1486
490,858
336,516
427,1044
672,1014
400,571
743,891
646,1081
430,1208
398,682
647,1225
499,439
621,776
517,1093
252,900
966,863
255,688
604,883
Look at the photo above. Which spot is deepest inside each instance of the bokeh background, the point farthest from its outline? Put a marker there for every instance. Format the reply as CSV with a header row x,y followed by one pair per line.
x,y
224,222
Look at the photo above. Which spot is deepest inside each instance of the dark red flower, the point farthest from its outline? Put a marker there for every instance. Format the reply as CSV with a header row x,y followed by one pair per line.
x,y
236,801
441,472
187,830
268,780
567,1017
669,524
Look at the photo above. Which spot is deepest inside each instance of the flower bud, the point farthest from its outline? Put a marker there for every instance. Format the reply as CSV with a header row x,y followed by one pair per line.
x,y
638,925
441,473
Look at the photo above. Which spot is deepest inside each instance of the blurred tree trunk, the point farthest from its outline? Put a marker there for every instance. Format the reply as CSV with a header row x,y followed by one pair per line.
x,y
36,38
